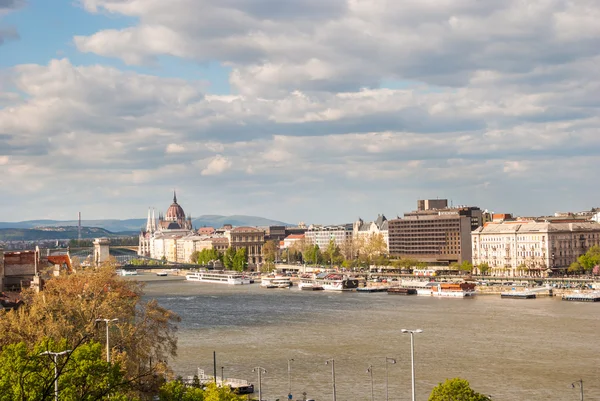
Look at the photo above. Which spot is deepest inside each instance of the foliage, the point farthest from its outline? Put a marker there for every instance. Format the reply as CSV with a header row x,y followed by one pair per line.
x,y
590,259
483,268
176,390
456,389
269,251
312,254
333,253
466,266
83,374
228,258
575,268
240,260
70,304
206,256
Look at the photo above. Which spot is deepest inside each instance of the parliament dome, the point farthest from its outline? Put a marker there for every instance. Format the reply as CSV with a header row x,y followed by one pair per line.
x,y
175,212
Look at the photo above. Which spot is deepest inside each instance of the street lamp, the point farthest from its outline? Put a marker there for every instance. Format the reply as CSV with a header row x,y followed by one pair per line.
x,y
393,361
580,382
327,362
55,357
290,378
412,356
222,376
107,321
260,371
370,371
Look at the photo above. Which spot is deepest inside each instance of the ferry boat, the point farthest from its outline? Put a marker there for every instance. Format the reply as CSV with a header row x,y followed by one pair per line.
x,y
437,289
275,282
454,290
307,282
336,282
219,277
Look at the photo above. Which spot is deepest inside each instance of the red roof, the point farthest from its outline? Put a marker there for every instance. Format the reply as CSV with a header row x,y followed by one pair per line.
x,y
60,260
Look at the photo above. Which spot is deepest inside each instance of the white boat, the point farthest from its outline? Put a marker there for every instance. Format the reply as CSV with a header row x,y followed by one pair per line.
x,y
307,282
219,277
336,282
275,282
454,290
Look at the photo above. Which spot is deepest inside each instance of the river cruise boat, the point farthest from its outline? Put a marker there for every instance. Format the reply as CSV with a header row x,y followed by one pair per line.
x,y
307,282
275,282
219,277
336,282
445,290
454,290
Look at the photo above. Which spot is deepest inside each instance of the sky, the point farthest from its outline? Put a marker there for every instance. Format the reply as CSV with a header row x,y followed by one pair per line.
x,y
304,110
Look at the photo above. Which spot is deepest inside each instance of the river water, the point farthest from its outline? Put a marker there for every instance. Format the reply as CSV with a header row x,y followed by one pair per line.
x,y
510,349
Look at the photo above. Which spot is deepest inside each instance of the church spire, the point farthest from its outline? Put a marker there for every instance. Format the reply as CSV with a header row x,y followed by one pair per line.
x,y
174,197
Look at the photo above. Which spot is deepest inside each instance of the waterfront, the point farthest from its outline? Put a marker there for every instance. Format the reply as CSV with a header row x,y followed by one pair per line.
x,y
511,349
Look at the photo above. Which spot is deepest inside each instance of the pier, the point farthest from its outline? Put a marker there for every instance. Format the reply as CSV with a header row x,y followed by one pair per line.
x,y
582,297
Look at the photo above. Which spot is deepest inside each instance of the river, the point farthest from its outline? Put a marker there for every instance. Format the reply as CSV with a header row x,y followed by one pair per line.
x,y
507,348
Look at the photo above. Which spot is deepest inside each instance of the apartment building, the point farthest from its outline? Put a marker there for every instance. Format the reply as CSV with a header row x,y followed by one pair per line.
x,y
321,235
515,248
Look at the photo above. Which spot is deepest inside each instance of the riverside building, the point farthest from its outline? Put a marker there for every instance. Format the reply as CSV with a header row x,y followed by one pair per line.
x,y
438,236
532,248
321,235
364,230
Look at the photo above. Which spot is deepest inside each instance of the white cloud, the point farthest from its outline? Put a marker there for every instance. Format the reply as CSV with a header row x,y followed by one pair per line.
x,y
217,165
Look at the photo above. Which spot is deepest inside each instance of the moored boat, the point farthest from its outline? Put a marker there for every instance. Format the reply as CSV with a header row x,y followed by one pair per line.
x,y
336,282
275,282
307,282
219,277
402,291
454,290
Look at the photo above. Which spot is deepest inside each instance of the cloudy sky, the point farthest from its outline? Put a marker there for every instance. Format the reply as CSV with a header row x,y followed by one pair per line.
x,y
303,110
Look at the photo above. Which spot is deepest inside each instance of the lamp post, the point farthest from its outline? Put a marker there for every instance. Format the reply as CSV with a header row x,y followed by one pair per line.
x,y
370,372
55,357
290,378
107,321
580,382
412,356
390,360
260,371
222,376
327,362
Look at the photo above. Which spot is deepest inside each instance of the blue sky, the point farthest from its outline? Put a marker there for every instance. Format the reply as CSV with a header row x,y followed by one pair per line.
x,y
302,111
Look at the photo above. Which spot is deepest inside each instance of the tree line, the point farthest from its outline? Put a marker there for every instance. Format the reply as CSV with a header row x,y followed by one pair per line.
x,y
63,319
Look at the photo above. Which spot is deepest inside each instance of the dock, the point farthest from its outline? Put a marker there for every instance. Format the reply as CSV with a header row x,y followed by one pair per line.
x,y
518,295
582,297
238,386
372,289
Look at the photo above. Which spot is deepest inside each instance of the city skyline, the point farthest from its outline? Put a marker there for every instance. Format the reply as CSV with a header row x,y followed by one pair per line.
x,y
302,111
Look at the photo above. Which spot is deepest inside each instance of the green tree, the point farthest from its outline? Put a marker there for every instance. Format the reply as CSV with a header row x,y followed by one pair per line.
x,y
312,254
590,259
575,268
483,268
333,252
69,306
83,374
228,258
240,260
456,389
269,252
466,266
176,390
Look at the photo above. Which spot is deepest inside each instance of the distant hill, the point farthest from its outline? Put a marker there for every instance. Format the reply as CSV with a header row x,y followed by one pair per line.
x,y
65,232
134,225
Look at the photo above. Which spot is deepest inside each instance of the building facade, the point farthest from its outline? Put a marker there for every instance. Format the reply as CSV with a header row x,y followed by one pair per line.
x,y
433,238
159,239
516,248
363,230
250,238
321,235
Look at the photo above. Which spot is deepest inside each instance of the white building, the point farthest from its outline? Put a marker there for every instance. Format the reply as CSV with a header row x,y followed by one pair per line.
x,y
364,230
321,235
532,248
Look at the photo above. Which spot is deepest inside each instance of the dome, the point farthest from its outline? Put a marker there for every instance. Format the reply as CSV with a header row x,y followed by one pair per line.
x,y
175,212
